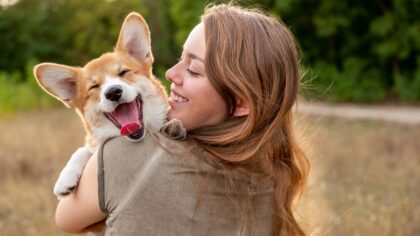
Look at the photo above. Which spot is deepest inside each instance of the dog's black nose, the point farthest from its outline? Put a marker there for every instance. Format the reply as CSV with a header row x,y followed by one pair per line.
x,y
114,93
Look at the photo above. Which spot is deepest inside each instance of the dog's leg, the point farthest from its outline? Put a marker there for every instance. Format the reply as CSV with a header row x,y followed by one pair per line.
x,y
70,175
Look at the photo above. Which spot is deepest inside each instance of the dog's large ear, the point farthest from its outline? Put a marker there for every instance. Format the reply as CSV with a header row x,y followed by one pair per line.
x,y
135,38
58,80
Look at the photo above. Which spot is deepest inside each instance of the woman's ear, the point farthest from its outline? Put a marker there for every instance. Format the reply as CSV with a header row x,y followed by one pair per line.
x,y
242,108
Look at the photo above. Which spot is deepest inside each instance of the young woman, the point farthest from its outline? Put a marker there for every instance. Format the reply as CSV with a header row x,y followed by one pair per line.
x,y
240,168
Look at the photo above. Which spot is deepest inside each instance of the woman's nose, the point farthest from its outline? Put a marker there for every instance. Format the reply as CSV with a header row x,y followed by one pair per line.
x,y
173,75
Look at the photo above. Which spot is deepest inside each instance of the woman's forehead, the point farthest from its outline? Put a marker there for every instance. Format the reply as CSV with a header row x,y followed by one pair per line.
x,y
195,43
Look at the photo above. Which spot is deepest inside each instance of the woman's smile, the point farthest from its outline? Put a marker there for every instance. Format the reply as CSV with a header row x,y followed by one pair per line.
x,y
176,97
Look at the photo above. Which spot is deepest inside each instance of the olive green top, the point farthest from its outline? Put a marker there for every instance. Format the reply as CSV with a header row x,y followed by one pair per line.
x,y
160,186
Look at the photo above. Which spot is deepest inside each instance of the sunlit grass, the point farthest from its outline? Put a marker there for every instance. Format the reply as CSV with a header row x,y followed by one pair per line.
x,y
364,178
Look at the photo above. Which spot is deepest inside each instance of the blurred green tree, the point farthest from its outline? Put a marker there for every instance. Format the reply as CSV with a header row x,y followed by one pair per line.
x,y
363,51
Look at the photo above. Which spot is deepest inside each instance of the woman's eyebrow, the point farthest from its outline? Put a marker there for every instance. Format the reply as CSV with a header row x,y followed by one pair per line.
x,y
194,56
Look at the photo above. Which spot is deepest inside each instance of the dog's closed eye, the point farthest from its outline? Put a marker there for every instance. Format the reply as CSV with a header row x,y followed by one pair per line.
x,y
93,86
123,72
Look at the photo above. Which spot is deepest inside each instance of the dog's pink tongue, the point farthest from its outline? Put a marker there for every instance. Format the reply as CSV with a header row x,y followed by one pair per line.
x,y
129,129
128,117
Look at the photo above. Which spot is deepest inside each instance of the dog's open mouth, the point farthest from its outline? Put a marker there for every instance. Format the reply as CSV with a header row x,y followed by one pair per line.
x,y
128,117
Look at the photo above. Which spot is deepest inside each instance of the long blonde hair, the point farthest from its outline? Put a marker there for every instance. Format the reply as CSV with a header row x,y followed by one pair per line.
x,y
253,57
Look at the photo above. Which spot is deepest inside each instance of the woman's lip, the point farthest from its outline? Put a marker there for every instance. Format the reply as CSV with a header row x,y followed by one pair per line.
x,y
175,94
173,103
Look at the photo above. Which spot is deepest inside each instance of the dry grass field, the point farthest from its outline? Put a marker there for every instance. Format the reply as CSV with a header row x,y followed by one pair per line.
x,y
365,175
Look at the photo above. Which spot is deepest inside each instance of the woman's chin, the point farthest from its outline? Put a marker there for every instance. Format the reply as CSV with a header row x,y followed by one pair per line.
x,y
173,114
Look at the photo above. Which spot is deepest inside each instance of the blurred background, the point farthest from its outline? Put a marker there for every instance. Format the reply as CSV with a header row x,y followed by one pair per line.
x,y
365,173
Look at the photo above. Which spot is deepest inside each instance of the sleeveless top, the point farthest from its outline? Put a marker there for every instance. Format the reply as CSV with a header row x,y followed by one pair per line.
x,y
160,186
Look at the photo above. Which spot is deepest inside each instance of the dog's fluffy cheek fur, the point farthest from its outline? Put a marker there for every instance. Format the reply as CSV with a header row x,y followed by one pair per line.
x,y
99,125
154,104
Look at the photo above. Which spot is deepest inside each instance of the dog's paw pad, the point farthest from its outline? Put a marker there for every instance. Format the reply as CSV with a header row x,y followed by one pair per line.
x,y
174,130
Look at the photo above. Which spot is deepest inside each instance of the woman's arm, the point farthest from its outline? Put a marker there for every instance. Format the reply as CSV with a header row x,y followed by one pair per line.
x,y
81,208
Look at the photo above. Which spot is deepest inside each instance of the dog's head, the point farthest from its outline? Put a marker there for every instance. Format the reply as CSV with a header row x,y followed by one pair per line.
x,y
115,93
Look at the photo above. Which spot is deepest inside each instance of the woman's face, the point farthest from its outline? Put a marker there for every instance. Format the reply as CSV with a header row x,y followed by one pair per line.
x,y
193,100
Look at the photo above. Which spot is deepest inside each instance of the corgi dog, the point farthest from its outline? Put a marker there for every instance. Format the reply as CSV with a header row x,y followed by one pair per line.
x,y
115,94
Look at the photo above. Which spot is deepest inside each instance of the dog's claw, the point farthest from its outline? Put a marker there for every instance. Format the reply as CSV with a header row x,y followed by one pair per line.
x,y
62,194
71,189
62,190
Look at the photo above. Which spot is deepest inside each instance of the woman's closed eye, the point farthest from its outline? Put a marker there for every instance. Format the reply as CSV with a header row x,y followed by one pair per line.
x,y
192,73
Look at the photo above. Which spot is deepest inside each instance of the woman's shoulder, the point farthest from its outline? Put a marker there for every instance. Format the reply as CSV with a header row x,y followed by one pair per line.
x,y
152,144
152,139
156,144
185,149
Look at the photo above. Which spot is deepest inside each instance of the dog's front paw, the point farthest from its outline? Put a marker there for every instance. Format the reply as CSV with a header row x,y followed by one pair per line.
x,y
70,175
66,183
174,130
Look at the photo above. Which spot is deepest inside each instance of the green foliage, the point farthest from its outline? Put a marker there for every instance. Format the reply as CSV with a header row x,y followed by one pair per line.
x,y
360,51
355,82
185,15
15,94
409,89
